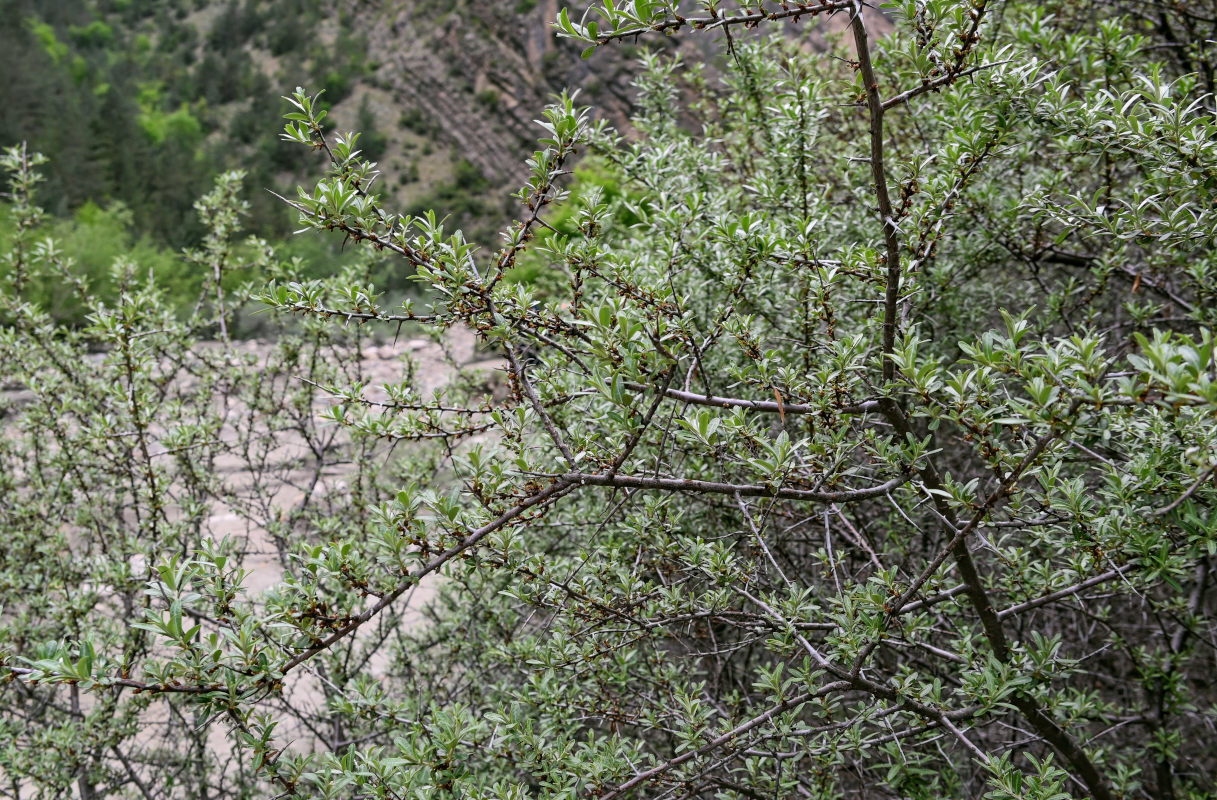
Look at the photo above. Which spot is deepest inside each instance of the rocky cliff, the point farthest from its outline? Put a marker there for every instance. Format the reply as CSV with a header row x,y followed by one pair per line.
x,y
477,74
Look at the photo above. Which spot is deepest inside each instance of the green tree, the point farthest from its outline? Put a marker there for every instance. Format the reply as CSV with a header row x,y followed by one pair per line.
x,y
870,450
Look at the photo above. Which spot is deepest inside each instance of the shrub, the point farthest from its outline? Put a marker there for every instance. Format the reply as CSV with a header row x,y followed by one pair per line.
x,y
875,456
139,437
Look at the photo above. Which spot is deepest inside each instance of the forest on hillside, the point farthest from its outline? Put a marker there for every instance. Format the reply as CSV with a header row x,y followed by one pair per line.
x,y
140,104
643,399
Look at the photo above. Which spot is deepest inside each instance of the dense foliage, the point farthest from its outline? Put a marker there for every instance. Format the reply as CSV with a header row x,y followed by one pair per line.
x,y
860,442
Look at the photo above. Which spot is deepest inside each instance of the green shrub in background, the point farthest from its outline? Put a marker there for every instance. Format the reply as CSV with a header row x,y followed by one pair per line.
x,y
93,239
864,447
595,183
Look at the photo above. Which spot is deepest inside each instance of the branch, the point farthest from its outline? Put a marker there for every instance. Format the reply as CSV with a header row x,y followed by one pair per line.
x,y
1045,726
883,199
747,19
128,683
361,316
1138,278
1057,595
744,490
552,492
938,83
721,740
767,406
1191,490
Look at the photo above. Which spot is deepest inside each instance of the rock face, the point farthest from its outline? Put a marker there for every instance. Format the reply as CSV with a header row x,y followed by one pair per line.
x,y
480,73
